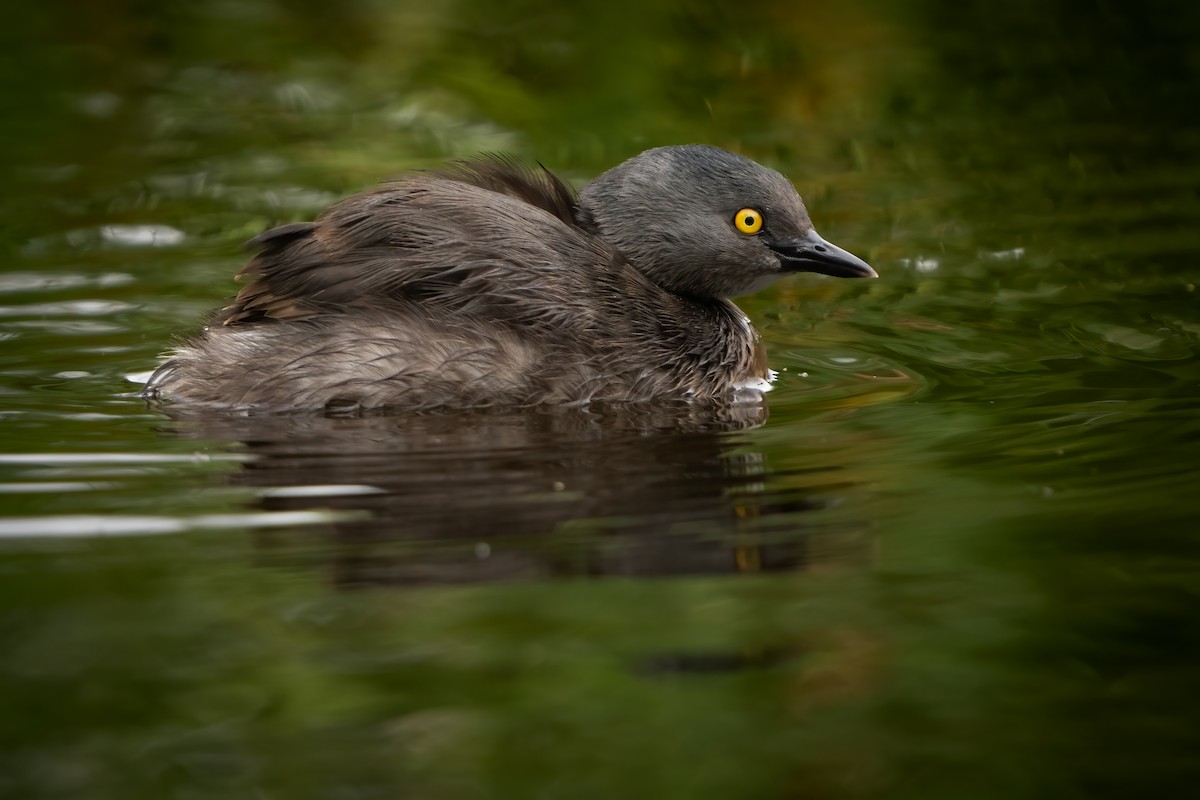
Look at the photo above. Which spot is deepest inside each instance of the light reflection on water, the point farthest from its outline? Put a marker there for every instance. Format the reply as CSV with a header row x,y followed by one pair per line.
x,y
618,490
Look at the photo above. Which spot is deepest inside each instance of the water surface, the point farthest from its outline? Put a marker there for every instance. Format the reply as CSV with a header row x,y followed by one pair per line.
x,y
954,555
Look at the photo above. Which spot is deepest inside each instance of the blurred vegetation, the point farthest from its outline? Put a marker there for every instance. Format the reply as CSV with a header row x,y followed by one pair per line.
x,y
125,88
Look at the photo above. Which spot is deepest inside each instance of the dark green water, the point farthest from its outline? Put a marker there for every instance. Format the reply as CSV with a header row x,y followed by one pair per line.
x,y
960,559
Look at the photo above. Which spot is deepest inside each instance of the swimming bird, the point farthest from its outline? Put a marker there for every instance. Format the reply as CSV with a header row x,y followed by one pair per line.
x,y
489,283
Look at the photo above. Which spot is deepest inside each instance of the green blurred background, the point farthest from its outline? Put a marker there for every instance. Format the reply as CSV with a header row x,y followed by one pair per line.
x,y
988,457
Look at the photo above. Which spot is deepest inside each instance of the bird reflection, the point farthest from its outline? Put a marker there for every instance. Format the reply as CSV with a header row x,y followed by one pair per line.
x,y
483,496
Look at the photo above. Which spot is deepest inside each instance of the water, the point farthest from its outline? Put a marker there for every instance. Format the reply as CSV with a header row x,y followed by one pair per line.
x,y
957,558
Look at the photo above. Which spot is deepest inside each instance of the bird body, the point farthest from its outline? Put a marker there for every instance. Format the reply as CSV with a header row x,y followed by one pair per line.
x,y
492,284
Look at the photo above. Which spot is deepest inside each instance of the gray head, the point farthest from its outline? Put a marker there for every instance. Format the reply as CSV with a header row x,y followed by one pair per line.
x,y
701,221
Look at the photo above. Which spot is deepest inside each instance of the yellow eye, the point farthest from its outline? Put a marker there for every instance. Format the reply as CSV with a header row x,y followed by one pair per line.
x,y
748,220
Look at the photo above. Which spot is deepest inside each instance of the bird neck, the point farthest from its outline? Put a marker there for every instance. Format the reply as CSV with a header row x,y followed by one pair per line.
x,y
714,339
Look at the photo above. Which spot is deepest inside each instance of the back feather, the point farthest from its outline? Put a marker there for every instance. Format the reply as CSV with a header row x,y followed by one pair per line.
x,y
471,239
510,176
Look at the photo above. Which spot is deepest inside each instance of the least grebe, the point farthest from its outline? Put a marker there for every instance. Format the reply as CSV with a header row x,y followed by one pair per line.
x,y
492,284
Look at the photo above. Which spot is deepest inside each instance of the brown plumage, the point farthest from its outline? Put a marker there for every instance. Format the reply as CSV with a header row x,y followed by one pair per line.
x,y
491,284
